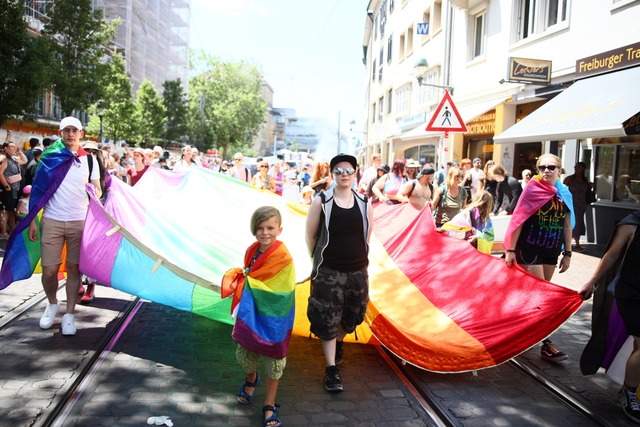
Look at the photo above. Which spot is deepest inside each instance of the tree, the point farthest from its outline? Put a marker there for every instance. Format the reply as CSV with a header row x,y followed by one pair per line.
x,y
150,113
24,60
118,108
80,37
225,105
175,104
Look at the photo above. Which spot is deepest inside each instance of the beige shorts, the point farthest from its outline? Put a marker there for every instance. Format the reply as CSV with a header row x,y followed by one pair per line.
x,y
54,234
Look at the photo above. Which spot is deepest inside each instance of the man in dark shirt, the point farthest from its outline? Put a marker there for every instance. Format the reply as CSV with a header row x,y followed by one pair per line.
x,y
507,186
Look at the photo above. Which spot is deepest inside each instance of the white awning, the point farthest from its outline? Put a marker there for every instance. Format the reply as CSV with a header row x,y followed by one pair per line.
x,y
467,112
592,108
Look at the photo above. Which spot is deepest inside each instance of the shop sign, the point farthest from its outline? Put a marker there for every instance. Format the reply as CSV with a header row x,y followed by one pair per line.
x,y
616,59
529,70
411,121
632,126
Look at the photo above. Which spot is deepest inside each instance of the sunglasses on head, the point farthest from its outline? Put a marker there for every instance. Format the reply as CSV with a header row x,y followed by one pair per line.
x,y
340,171
550,168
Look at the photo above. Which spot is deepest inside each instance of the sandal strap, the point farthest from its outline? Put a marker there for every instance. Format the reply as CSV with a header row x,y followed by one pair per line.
x,y
273,408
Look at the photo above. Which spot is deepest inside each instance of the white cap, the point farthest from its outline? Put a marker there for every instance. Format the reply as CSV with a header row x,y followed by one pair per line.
x,y
70,121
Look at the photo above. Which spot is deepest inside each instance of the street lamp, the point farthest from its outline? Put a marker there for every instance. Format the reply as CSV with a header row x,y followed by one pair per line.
x,y
421,67
100,110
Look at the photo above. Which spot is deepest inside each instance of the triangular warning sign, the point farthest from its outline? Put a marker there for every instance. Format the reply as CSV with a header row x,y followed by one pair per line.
x,y
446,117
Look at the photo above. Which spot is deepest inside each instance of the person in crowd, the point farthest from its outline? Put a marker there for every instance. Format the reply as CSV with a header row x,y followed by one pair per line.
x,y
30,168
370,173
604,184
10,179
306,195
265,284
578,186
63,219
305,176
473,223
490,184
477,175
278,177
418,191
158,152
449,198
186,160
338,230
623,250
387,187
239,171
23,204
440,175
33,143
526,177
46,142
508,187
135,172
321,179
540,226
148,157
411,169
382,170
466,165
623,189
262,179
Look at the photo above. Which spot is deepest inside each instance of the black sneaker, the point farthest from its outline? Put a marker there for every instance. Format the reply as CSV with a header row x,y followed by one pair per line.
x,y
332,380
629,402
339,352
551,353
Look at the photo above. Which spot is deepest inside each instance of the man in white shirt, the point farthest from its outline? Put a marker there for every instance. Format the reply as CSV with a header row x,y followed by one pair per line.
x,y
476,175
370,173
62,222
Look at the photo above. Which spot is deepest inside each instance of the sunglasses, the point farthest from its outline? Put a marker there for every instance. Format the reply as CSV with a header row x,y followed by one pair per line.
x,y
264,167
549,168
237,160
340,171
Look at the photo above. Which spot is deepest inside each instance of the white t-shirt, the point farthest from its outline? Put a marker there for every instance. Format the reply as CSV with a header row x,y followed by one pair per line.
x,y
70,201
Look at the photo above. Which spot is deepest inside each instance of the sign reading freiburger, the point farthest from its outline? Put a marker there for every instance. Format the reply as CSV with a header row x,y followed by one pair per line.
x,y
616,59
529,70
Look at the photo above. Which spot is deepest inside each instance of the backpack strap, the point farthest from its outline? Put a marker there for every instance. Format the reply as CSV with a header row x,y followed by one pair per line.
x,y
413,187
90,160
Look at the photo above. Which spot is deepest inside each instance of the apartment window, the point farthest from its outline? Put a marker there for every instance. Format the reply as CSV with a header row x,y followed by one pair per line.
x,y
478,22
403,98
383,18
410,40
436,16
380,109
375,27
391,5
401,47
374,70
428,94
373,113
389,47
381,64
389,101
426,18
536,16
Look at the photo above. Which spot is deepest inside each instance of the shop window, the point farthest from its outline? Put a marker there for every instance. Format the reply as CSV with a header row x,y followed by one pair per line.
x,y
627,187
422,153
605,157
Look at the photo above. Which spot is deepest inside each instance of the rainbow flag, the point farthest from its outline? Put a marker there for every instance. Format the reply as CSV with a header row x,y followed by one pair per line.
x,y
462,224
22,256
435,301
265,293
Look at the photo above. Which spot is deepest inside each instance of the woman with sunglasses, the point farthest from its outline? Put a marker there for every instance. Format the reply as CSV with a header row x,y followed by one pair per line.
x,y
262,179
540,227
450,197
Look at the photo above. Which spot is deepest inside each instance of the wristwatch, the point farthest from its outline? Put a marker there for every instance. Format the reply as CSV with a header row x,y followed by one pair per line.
x,y
566,253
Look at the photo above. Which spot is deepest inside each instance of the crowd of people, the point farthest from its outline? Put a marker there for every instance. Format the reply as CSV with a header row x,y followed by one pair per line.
x,y
546,216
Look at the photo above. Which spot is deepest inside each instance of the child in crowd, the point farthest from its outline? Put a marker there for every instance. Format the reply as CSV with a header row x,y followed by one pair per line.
x,y
264,307
306,195
474,222
22,209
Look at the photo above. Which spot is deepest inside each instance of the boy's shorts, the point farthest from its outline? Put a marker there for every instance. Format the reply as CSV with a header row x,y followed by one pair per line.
x,y
249,361
337,299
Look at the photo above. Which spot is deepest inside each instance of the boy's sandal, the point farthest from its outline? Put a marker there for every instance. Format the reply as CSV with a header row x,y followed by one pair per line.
x,y
274,418
243,397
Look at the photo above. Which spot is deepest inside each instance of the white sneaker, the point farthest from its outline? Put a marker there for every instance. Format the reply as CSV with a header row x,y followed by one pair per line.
x,y
49,316
68,326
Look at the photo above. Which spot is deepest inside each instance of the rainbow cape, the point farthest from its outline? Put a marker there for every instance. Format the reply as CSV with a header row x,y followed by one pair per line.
x,y
265,300
435,301
21,254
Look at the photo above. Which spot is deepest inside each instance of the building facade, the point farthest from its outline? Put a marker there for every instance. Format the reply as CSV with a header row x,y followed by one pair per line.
x,y
504,61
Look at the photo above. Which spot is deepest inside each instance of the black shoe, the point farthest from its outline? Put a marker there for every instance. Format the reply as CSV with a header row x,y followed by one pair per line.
x,y
551,353
332,380
339,352
629,402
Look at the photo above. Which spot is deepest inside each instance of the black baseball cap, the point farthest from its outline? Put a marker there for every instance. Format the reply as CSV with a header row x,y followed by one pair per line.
x,y
342,157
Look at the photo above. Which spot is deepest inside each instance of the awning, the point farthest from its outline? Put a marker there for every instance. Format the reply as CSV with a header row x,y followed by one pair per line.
x,y
467,112
592,108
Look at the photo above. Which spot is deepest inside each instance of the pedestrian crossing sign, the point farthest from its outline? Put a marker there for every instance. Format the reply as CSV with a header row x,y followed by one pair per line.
x,y
446,117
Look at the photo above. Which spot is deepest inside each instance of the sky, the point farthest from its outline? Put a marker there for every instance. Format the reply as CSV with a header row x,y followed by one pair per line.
x,y
310,52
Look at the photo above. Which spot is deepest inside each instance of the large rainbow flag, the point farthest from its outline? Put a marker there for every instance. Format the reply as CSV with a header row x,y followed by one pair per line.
x,y
436,302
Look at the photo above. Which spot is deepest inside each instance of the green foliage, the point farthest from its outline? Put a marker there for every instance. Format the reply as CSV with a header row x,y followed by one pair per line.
x,y
23,63
117,106
150,113
226,108
79,36
175,103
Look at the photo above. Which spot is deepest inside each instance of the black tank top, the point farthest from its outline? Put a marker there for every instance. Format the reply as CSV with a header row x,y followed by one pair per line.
x,y
346,250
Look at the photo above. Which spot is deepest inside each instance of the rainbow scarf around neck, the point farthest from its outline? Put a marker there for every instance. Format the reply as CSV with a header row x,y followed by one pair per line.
x,y
264,296
536,193
21,254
